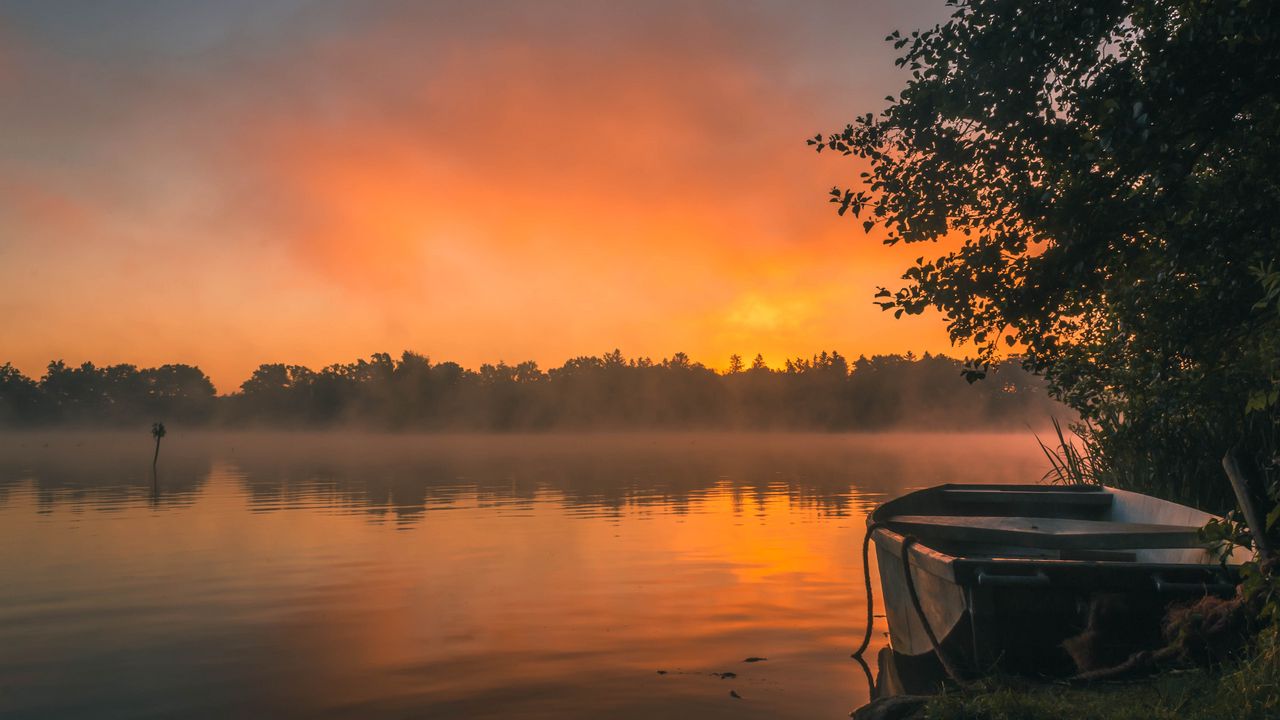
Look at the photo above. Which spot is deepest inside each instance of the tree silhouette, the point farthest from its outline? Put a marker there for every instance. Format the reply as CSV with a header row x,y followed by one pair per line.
x,y
821,392
735,364
1109,177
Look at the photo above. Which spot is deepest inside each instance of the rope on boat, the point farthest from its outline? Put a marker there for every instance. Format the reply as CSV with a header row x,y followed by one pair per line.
x,y
866,578
907,541
953,671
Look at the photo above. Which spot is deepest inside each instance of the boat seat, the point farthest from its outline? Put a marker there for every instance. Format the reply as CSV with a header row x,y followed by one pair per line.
x,y
1046,533
1028,498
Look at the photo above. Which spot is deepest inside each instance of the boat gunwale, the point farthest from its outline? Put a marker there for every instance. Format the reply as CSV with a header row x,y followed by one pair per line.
x,y
884,511
964,570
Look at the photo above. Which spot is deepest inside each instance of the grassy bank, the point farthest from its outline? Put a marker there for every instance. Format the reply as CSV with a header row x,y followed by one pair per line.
x,y
1247,689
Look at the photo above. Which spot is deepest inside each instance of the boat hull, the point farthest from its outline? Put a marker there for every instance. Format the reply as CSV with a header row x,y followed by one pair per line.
x,y
1014,614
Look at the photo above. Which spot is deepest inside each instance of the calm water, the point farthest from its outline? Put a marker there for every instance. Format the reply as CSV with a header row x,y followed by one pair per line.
x,y
449,577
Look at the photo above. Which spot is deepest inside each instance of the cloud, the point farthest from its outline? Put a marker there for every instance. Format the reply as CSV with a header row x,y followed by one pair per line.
x,y
484,179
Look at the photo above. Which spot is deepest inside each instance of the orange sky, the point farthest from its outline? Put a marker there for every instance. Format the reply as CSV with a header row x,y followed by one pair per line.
x,y
241,182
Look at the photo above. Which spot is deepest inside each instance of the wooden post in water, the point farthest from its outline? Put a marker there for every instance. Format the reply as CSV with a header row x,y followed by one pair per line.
x,y
157,431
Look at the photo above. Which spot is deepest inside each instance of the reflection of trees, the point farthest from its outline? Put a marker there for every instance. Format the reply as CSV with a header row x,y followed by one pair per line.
x,y
590,486
403,477
824,392
103,471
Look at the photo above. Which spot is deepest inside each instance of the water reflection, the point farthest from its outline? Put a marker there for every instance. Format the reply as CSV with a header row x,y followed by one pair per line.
x,y
361,575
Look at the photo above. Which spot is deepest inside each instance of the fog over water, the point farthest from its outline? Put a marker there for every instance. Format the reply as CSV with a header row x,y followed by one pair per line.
x,y
366,575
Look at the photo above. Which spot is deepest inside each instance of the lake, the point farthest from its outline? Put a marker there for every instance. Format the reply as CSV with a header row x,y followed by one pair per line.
x,y
338,575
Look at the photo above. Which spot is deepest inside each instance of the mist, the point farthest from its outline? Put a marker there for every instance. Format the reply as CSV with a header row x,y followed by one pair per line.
x,y
402,476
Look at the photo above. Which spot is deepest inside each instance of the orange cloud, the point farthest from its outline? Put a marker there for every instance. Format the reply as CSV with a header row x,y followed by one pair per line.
x,y
510,183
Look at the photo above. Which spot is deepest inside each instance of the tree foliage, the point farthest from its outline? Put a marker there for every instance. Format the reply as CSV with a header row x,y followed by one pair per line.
x,y
1102,178
610,392
105,395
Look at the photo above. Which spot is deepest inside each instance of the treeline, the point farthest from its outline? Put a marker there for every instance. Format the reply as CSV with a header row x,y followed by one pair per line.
x,y
824,392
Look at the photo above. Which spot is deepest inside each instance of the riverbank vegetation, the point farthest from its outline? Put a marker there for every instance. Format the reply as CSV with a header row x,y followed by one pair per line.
x,y
611,392
1246,689
1098,186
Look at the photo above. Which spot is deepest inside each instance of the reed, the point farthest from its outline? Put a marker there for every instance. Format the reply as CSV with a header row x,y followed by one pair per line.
x,y
1070,464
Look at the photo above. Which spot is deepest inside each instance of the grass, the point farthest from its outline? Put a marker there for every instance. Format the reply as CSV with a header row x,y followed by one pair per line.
x,y
1248,689
1165,697
1068,464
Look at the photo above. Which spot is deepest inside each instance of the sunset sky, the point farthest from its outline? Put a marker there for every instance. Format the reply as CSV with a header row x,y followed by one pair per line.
x,y
235,182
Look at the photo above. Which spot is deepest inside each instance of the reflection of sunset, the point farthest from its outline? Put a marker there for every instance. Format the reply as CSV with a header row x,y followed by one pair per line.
x,y
348,574
475,186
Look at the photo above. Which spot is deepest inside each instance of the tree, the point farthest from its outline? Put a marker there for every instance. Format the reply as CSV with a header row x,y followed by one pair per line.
x,y
1103,182
735,364
176,391
821,392
20,397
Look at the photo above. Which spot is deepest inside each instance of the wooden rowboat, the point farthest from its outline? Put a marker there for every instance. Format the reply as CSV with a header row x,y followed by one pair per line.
x,y
1001,575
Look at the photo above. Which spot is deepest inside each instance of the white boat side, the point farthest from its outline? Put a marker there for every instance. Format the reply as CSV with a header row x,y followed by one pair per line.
x,y
963,574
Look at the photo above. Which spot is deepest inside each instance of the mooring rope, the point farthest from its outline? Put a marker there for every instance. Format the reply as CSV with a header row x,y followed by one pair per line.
x,y
951,669
866,578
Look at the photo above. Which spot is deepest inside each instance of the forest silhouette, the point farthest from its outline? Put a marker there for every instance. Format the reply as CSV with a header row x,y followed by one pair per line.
x,y
824,392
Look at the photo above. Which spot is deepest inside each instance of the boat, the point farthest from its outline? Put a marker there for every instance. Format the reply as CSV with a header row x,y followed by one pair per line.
x,y
978,578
